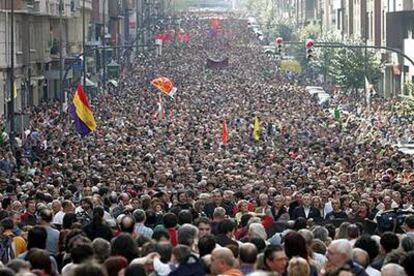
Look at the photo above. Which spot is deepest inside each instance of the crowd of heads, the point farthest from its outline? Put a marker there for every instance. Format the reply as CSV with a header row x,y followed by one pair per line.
x,y
159,193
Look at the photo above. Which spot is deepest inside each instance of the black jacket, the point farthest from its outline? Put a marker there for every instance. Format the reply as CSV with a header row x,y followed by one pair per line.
x,y
94,231
314,213
223,240
192,267
339,215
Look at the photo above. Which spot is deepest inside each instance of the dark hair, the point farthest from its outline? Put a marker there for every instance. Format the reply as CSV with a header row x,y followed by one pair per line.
x,y
142,240
68,220
159,234
365,242
181,253
127,224
234,249
408,263
139,215
331,230
206,245
389,241
407,243
300,223
352,231
248,254
81,252
295,245
124,245
409,221
115,264
36,238
185,216
259,243
7,224
165,251
7,272
270,249
6,202
135,270
97,215
39,259
202,220
90,269
226,226
169,220
245,219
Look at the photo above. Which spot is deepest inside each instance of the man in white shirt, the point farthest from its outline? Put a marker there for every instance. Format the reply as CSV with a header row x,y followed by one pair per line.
x,y
60,210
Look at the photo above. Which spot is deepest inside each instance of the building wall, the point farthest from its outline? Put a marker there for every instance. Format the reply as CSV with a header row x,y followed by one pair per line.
x,y
35,28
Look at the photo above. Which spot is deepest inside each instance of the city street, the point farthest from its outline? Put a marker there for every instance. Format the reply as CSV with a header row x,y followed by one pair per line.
x,y
201,144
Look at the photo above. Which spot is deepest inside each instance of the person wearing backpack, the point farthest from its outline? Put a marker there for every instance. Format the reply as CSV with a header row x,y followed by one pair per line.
x,y
10,245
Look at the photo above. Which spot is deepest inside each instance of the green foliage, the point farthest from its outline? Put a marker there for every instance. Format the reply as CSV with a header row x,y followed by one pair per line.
x,y
344,66
409,89
264,11
311,31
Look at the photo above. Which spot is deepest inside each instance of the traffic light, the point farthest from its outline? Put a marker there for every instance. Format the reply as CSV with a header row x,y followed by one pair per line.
x,y
279,44
309,48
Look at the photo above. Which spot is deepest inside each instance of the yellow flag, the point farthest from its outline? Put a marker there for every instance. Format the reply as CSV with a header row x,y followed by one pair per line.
x,y
256,130
14,90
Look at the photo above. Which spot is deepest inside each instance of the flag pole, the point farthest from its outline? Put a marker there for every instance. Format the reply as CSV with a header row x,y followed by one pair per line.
x,y
84,44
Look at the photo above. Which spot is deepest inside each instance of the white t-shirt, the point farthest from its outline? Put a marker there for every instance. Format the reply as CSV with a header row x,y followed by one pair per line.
x,y
58,218
372,271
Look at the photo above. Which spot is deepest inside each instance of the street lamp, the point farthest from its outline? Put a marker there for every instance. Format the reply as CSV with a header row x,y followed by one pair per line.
x,y
11,103
62,93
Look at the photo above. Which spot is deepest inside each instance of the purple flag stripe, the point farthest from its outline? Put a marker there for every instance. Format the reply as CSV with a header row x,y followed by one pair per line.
x,y
79,125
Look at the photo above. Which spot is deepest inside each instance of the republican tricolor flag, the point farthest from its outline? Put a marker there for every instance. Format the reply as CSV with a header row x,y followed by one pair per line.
x,y
81,113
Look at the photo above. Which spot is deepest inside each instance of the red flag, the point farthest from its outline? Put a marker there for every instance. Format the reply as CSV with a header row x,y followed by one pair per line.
x,y
224,133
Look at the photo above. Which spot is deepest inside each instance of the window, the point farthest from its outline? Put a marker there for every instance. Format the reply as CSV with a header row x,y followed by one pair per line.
x,y
18,36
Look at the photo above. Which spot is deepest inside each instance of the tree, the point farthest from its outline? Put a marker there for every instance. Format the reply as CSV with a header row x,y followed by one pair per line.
x,y
311,31
349,67
346,67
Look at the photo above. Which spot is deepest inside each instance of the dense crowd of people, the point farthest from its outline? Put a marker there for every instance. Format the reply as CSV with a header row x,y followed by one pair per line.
x,y
158,193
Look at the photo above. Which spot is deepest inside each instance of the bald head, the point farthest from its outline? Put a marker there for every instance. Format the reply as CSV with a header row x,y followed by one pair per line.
x,y
222,260
360,256
392,270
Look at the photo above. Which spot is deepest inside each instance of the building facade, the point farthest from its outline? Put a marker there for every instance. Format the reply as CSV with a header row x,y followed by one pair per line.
x,y
37,47
387,23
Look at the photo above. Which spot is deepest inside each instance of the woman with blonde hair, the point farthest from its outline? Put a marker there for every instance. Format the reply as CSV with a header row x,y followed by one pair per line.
x,y
242,206
298,266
